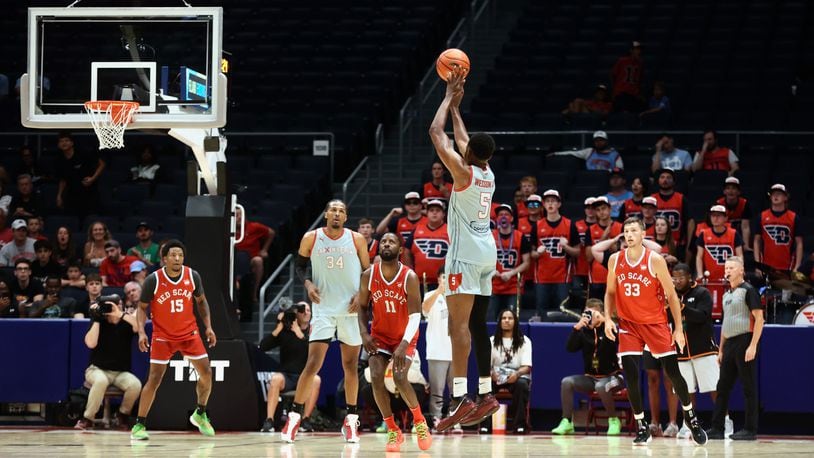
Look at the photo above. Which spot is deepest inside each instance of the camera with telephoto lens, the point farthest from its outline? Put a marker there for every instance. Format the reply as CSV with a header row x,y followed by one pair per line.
x,y
98,313
590,316
290,310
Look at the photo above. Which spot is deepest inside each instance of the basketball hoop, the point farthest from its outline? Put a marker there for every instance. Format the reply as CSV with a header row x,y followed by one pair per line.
x,y
109,119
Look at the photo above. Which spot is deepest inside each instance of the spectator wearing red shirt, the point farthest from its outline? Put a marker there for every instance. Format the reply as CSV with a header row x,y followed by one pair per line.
x,y
600,104
738,210
626,80
399,223
579,280
256,242
633,206
35,226
778,240
438,187
528,226
366,229
427,246
717,244
6,234
712,156
115,268
528,186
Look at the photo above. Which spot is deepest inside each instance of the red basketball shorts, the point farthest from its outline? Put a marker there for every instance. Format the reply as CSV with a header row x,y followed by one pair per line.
x,y
162,350
634,336
388,345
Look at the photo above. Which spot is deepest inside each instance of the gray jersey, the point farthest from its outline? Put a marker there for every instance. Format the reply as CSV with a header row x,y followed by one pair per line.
x,y
336,271
470,237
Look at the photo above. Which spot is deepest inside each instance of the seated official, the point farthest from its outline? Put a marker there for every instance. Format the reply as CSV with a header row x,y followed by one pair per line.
x,y
511,365
602,372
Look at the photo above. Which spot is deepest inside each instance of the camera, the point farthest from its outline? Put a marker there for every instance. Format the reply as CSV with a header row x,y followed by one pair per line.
x,y
98,313
290,310
590,316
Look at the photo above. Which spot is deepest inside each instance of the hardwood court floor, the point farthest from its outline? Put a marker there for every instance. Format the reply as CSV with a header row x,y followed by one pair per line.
x,y
54,443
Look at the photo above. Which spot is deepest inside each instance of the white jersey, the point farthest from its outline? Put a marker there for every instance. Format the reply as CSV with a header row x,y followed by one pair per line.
x,y
470,237
336,272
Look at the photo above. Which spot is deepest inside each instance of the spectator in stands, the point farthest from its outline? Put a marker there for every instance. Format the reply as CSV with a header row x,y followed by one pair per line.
x,y
601,372
147,167
658,105
511,365
21,246
439,347
528,186
738,210
518,199
599,105
604,228
256,242
617,194
26,202
626,80
25,289
663,236
115,269
98,236
35,226
534,212
44,265
65,249
6,233
93,286
110,339
54,304
667,156
580,277
366,229
138,272
712,156
427,246
649,207
132,294
291,335
716,245
74,278
601,157
778,232
8,304
438,187
399,223
77,172
673,206
145,250
633,206
28,166
555,239
513,248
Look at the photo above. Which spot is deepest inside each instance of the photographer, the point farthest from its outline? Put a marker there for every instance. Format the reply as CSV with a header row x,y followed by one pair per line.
x,y
291,335
602,373
110,339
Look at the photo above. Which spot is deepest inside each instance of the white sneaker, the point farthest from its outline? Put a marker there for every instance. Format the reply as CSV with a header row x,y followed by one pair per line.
x,y
289,431
684,432
671,431
350,429
457,428
729,427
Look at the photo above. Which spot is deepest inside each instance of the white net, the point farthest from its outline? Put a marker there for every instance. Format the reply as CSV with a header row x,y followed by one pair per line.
x,y
109,119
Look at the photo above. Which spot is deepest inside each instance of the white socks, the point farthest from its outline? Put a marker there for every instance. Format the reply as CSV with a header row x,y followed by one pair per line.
x,y
484,385
458,387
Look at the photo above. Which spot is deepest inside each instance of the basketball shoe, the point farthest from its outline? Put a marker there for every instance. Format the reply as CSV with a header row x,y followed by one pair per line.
x,y
350,428
464,409
394,440
422,431
201,421
289,431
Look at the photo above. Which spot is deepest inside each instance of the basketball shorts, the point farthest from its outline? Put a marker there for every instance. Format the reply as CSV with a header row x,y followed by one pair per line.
x,y
466,278
701,374
162,350
343,328
388,345
634,336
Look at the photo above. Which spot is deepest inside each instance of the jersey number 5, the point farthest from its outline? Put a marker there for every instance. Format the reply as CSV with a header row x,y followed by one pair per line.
x,y
337,262
632,289
485,203
177,306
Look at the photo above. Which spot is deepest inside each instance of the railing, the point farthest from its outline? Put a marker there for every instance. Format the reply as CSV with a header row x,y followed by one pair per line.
x,y
351,178
379,141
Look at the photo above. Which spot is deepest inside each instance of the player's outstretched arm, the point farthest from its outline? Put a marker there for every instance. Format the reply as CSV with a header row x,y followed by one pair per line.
x,y
458,126
453,161
610,298
361,249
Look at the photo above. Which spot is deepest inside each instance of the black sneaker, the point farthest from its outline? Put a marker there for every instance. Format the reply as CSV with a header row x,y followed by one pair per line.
x,y
643,436
268,426
305,426
699,436
715,434
743,435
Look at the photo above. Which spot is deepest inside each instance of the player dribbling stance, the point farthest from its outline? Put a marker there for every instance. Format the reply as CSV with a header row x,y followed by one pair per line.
x,y
394,333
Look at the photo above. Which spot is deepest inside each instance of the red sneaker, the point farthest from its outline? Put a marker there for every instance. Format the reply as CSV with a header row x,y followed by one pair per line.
x,y
465,408
485,408
394,440
422,430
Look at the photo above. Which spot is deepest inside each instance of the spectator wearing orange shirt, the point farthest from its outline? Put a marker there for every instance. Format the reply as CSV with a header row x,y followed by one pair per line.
x,y
115,268
256,242
713,156
626,80
426,248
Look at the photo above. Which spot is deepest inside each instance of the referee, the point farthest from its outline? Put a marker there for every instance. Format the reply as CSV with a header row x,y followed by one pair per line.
x,y
740,334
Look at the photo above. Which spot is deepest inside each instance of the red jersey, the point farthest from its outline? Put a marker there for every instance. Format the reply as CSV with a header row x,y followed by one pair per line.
x,y
171,306
522,210
717,249
404,228
431,192
509,256
639,295
631,208
390,313
525,226
627,76
581,267
372,249
552,265
254,238
650,231
717,159
429,249
736,213
672,208
117,274
598,274
777,232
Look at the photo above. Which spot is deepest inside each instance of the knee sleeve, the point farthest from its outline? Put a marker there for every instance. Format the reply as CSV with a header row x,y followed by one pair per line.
x,y
630,365
480,336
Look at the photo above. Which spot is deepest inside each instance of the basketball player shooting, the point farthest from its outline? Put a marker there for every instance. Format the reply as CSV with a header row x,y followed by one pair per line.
x,y
169,292
337,257
638,285
472,253
393,334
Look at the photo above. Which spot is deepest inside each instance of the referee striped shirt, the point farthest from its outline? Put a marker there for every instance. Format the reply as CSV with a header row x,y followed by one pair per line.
x,y
738,305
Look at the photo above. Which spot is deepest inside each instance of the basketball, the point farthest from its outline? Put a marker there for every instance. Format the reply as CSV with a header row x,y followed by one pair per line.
x,y
450,59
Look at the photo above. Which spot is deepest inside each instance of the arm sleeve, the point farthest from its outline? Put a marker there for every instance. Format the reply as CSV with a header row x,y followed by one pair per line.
x,y
753,299
199,288
148,288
